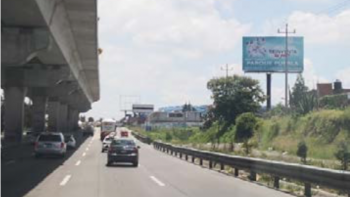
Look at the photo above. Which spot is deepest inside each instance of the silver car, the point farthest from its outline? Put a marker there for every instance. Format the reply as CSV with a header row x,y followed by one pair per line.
x,y
50,143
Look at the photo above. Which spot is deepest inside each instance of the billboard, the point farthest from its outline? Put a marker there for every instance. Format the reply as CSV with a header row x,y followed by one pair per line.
x,y
142,108
267,54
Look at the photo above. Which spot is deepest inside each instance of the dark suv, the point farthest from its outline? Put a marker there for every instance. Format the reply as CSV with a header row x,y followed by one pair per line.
x,y
123,150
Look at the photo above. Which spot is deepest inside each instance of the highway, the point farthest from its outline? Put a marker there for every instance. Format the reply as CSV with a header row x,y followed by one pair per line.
x,y
85,174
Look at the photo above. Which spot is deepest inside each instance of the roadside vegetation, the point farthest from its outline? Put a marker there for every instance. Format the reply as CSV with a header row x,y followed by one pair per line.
x,y
309,132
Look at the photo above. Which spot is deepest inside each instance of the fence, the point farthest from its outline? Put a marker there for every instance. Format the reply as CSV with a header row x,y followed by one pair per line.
x,y
335,179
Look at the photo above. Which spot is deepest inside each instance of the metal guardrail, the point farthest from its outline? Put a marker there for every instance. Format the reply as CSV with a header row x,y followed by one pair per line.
x,y
142,138
334,179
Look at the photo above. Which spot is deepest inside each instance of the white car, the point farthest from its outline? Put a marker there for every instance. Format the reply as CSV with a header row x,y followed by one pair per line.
x,y
106,143
70,140
50,143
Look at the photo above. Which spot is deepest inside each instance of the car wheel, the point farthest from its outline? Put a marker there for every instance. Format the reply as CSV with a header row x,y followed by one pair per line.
x,y
135,164
37,155
109,163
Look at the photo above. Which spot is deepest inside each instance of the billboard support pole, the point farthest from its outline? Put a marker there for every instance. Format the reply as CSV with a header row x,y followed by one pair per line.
x,y
286,54
268,91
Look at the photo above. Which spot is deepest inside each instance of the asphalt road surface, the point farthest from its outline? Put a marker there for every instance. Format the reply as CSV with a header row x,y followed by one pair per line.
x,y
85,174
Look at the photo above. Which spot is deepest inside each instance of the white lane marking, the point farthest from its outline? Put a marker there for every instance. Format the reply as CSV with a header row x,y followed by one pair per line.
x,y
87,149
10,162
157,181
65,180
84,154
78,163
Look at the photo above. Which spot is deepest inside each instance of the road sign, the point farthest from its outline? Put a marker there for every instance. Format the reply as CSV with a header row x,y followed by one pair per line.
x,y
267,54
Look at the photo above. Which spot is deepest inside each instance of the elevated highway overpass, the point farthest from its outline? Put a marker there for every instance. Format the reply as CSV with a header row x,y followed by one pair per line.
x,y
49,54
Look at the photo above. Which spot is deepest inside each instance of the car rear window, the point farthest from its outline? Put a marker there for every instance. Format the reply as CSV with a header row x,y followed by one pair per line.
x,y
50,138
67,138
123,143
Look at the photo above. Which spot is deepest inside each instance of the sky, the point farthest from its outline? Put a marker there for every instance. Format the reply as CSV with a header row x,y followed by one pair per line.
x,y
163,52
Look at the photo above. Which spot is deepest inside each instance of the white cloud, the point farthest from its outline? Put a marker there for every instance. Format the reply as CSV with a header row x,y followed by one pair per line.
x,y
157,49
189,28
322,29
310,76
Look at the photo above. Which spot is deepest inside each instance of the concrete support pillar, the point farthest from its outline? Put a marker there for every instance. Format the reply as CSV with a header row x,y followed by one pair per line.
x,y
63,118
14,113
39,108
53,110
71,119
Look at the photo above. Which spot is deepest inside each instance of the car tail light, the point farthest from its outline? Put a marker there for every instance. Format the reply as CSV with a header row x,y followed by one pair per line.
x,y
62,145
136,149
110,149
36,144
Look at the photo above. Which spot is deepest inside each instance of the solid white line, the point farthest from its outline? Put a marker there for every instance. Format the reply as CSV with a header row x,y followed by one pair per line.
x,y
78,163
65,180
84,154
157,181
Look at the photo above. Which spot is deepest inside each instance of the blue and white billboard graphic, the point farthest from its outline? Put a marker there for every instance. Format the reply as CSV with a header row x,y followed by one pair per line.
x,y
267,54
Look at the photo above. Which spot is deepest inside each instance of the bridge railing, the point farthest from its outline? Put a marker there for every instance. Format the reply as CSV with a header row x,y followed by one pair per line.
x,y
309,175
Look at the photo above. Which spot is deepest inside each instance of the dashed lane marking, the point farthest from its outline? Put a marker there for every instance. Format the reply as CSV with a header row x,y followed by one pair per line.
x,y
10,162
157,181
78,163
65,180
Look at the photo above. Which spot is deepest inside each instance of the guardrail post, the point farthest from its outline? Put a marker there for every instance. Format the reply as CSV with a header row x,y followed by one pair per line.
x,y
236,172
193,158
307,190
210,164
201,161
186,157
276,182
222,166
180,155
252,176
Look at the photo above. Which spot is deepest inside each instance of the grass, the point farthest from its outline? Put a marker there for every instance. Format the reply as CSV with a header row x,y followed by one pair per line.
x,y
322,131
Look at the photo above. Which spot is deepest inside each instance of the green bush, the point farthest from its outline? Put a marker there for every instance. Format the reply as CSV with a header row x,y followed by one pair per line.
x,y
245,124
343,154
302,151
334,101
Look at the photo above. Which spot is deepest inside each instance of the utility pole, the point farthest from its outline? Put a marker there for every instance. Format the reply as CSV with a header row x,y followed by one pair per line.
x,y
226,68
286,54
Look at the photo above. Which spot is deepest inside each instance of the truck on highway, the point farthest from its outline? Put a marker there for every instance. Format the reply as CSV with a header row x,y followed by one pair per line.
x,y
107,126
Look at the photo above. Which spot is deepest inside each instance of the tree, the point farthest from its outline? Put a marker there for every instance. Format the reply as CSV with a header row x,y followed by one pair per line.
x,y
307,103
343,154
233,96
298,91
245,125
302,151
188,107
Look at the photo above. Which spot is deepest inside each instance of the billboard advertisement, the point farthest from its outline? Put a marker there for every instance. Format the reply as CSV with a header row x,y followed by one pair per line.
x,y
142,108
267,54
